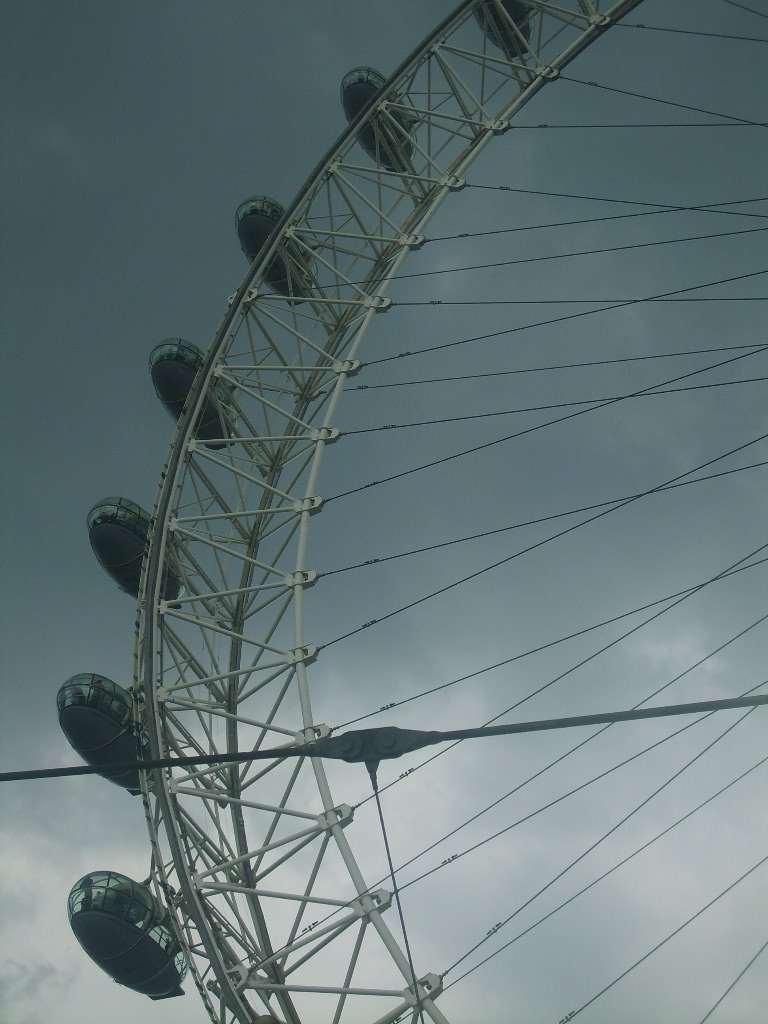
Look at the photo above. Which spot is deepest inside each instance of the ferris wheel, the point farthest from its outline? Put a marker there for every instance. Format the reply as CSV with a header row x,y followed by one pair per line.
x,y
259,885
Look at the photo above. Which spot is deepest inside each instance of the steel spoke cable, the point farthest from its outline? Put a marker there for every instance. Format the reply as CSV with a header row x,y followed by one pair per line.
x,y
671,935
335,747
542,771
689,591
381,560
517,554
580,252
606,835
733,984
743,7
657,208
577,302
540,426
609,872
544,408
516,229
665,102
563,796
382,821
692,32
639,124
548,322
669,207
555,366
684,596
171,762
568,794
396,892
376,884
582,743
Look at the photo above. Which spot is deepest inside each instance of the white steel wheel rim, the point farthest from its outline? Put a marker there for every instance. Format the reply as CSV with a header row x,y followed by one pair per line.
x,y
218,918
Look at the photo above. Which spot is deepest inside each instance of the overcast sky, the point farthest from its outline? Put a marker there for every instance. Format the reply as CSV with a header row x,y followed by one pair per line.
x,y
130,134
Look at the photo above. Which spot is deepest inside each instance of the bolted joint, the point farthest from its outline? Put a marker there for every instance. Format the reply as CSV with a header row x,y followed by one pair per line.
x,y
341,815
348,366
381,303
305,655
378,899
306,578
326,434
412,241
498,127
429,986
600,20
312,733
453,182
312,504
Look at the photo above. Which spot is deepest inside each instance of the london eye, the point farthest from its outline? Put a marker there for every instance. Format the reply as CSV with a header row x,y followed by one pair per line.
x,y
461,450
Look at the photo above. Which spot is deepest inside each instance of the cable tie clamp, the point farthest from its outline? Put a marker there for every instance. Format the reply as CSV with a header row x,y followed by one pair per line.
x,y
311,505
348,366
378,899
305,578
302,655
381,303
412,242
341,815
327,434
453,182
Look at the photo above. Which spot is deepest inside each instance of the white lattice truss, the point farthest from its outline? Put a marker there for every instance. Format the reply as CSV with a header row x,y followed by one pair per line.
x,y
247,857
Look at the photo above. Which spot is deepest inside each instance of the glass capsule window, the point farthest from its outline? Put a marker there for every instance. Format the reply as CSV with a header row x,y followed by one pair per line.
x,y
119,510
112,893
263,205
91,690
178,350
357,75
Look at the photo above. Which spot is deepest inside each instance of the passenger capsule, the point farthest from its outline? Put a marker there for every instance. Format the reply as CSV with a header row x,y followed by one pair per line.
x,y
508,35
118,530
290,272
96,717
389,145
173,365
126,931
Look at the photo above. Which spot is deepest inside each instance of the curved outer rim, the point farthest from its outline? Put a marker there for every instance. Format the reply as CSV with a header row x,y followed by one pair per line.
x,y
150,599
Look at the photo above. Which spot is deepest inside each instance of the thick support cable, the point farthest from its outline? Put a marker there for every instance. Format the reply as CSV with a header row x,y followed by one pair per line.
x,y
372,767
388,741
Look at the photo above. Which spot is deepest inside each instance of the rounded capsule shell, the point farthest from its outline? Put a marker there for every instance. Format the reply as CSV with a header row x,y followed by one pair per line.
x,y
95,714
290,272
123,928
386,138
174,364
118,530
358,86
